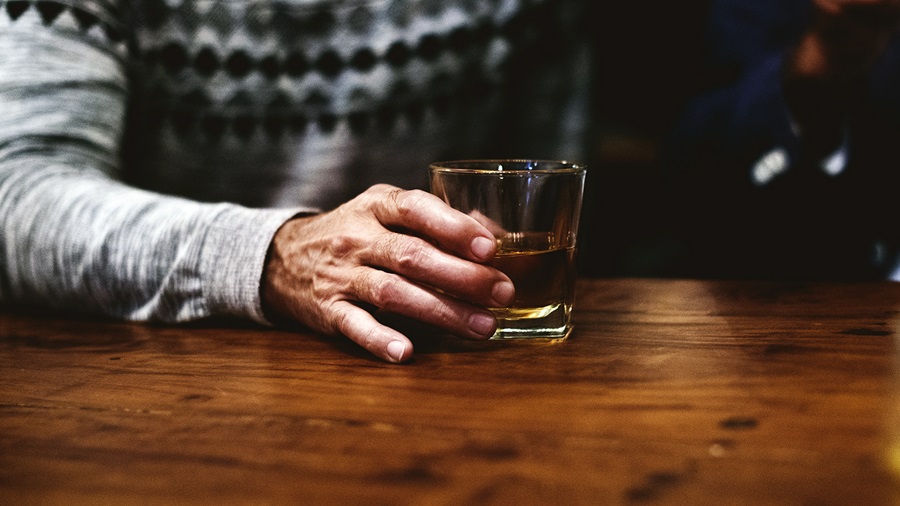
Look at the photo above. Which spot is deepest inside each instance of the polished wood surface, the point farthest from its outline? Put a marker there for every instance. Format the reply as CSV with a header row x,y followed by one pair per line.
x,y
668,392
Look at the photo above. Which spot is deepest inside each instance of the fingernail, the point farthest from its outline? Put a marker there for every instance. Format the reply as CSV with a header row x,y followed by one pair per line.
x,y
503,293
482,247
396,349
482,324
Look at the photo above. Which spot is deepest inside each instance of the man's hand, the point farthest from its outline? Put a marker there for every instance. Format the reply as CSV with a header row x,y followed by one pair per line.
x,y
404,252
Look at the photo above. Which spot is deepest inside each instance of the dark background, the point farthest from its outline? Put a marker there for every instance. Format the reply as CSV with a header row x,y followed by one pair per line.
x,y
648,59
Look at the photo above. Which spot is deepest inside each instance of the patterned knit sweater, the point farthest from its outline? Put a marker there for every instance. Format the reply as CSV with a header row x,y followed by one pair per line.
x,y
149,149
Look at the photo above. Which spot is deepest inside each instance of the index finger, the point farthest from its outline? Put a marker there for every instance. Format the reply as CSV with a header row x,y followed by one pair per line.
x,y
432,219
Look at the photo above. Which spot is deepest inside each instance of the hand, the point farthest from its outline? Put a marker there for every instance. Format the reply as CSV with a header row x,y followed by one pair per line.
x,y
823,75
404,252
846,37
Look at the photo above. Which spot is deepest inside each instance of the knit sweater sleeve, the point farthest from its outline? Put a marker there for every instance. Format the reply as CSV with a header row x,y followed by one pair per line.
x,y
71,235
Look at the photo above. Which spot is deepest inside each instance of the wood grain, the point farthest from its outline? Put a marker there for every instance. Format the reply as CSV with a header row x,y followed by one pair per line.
x,y
668,392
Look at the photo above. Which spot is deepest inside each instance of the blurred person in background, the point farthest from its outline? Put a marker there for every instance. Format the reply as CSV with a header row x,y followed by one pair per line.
x,y
787,163
170,160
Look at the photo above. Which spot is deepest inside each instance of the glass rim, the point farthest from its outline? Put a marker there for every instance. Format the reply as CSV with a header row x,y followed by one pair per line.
x,y
494,166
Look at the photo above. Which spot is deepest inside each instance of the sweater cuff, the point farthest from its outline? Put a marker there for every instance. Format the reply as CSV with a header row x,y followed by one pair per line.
x,y
233,257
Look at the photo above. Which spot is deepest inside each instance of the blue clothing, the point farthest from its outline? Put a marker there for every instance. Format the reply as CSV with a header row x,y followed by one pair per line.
x,y
753,200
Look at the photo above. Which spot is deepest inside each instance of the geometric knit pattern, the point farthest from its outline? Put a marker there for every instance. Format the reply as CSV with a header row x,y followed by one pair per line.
x,y
256,101
278,65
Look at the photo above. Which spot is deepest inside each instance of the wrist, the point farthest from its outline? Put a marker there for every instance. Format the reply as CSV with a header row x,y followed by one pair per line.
x,y
278,279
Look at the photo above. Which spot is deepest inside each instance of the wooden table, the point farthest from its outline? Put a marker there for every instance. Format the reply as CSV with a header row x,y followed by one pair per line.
x,y
668,392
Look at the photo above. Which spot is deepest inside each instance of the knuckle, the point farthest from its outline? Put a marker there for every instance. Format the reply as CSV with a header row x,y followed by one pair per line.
x,y
380,189
447,315
339,320
342,245
409,255
372,195
384,291
378,194
370,342
409,202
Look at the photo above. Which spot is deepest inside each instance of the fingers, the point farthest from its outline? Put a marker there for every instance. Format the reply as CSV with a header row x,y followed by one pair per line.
x,y
418,260
363,329
429,217
395,294
404,252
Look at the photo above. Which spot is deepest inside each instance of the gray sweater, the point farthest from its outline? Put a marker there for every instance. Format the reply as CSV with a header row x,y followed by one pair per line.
x,y
150,149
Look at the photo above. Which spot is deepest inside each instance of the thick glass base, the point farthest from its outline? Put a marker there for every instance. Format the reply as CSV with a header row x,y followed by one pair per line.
x,y
547,322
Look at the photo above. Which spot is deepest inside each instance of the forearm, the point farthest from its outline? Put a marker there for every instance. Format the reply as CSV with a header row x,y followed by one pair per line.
x,y
70,235
74,240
